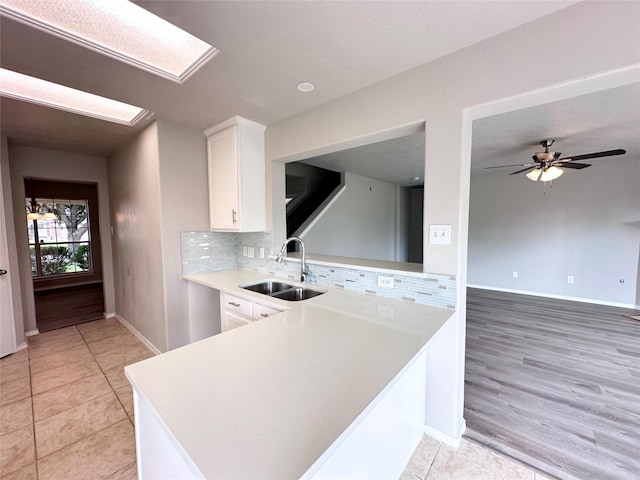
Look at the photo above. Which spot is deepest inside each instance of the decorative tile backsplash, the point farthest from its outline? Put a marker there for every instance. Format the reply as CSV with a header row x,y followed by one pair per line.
x,y
204,252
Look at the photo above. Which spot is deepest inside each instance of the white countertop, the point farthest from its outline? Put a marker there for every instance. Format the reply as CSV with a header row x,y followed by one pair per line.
x,y
268,399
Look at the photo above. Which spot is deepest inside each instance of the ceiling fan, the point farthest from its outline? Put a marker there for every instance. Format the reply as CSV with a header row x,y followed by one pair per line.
x,y
548,164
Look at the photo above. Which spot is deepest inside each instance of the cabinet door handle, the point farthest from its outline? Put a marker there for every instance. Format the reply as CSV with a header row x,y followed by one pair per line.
x,y
3,272
234,304
234,216
265,315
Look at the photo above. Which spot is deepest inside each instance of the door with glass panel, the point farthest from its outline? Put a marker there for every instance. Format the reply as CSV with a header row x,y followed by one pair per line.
x,y
64,245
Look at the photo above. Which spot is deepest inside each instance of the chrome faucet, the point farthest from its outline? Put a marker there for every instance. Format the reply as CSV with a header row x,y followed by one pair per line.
x,y
304,270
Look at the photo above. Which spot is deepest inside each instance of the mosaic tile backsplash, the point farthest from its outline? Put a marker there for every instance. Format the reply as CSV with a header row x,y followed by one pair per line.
x,y
204,252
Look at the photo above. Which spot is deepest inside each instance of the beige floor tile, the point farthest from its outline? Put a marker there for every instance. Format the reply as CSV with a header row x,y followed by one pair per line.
x,y
43,381
14,371
27,473
80,353
52,335
116,377
16,357
72,425
117,342
129,472
61,398
102,329
13,391
15,415
472,461
422,458
125,355
55,345
125,395
94,457
16,450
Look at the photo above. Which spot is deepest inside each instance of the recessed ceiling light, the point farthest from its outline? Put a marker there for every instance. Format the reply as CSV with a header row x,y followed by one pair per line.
x,y
306,87
34,90
119,29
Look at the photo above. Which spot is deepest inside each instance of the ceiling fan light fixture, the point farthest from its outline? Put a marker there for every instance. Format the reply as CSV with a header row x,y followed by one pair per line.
x,y
547,175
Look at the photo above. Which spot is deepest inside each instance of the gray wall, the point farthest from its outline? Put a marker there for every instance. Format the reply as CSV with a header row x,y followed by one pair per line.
x,y
55,165
360,223
587,226
576,46
184,207
134,184
158,185
12,250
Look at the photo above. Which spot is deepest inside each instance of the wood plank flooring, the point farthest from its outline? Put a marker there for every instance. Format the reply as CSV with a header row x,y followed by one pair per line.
x,y
555,384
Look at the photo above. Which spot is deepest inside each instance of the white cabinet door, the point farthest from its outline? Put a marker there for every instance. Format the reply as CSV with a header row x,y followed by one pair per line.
x,y
235,151
232,320
223,180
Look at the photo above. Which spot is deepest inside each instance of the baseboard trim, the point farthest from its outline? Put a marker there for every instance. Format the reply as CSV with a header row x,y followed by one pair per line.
x,y
31,333
558,297
109,315
141,337
444,438
22,346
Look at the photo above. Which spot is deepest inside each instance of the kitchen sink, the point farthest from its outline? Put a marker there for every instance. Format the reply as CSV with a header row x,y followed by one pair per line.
x,y
296,294
267,287
281,290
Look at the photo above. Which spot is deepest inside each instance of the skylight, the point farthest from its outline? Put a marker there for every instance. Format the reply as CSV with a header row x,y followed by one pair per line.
x,y
119,29
34,90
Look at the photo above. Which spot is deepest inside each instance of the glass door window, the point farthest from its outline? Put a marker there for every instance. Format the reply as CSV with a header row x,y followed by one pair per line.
x,y
60,244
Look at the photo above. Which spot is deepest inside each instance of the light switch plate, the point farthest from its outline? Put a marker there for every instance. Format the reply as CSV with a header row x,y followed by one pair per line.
x,y
244,251
261,252
251,252
385,281
440,234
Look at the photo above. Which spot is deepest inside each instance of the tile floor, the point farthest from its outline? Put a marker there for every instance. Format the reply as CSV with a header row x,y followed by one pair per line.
x,y
433,460
66,412
66,408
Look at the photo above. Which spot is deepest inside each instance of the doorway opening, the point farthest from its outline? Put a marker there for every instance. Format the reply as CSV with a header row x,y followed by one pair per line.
x,y
64,243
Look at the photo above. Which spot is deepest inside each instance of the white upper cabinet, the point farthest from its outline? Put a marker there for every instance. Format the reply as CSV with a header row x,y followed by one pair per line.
x,y
235,152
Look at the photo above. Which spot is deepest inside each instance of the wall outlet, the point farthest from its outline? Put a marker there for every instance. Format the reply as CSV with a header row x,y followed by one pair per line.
x,y
440,234
244,251
261,252
385,281
251,252
515,274
570,279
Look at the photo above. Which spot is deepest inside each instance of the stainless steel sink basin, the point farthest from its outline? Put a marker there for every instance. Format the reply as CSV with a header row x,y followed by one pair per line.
x,y
281,290
297,294
267,287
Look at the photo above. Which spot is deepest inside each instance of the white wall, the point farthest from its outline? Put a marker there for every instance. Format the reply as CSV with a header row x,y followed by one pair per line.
x,y
360,223
13,267
184,207
54,165
575,44
587,226
158,185
134,184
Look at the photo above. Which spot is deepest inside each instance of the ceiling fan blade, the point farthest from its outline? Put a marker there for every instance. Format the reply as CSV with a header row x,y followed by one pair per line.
x,y
523,170
577,166
515,165
607,153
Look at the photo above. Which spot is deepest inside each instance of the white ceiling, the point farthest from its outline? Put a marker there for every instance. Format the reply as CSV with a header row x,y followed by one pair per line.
x,y
267,48
605,120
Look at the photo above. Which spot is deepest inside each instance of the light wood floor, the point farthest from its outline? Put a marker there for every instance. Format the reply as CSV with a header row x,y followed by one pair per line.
x,y
555,384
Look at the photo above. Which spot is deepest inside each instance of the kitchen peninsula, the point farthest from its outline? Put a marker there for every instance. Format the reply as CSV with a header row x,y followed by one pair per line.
x,y
331,386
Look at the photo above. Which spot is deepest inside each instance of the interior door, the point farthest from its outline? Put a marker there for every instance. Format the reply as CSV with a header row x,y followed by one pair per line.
x,y
7,322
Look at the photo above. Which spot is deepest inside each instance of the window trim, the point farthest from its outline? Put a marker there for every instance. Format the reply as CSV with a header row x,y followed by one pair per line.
x,y
85,191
